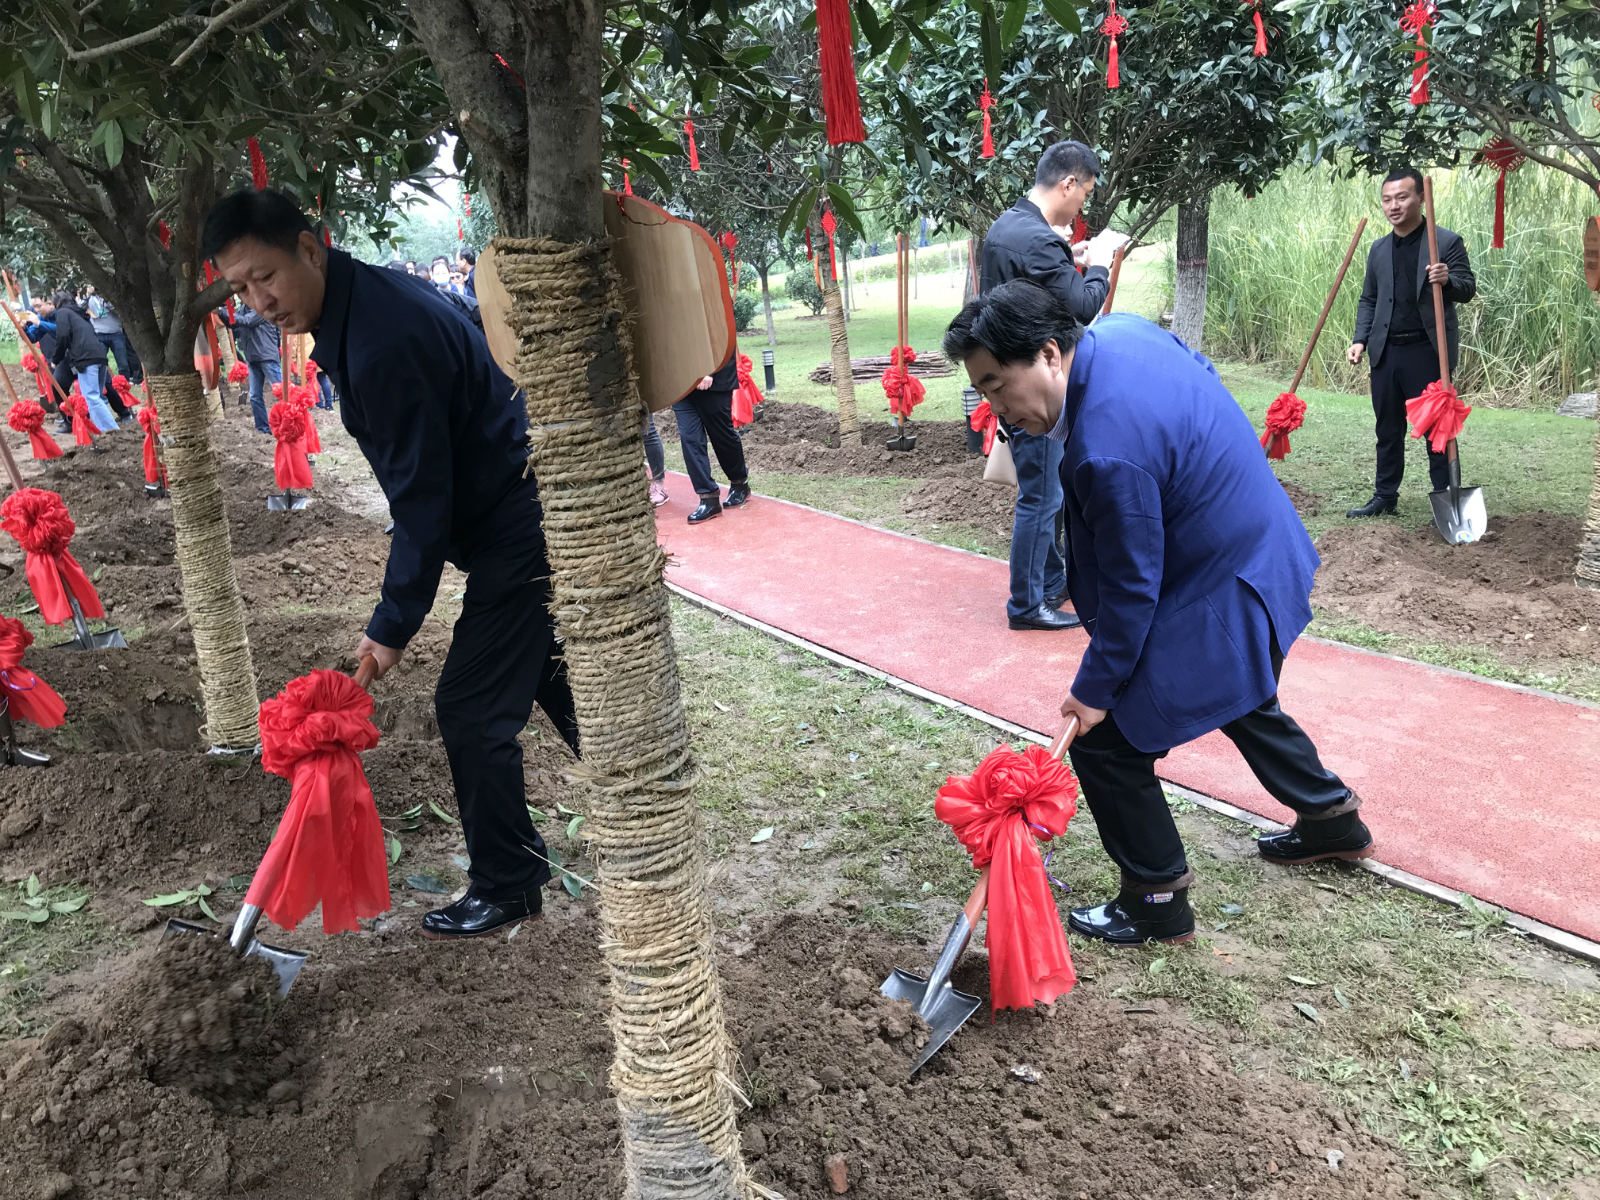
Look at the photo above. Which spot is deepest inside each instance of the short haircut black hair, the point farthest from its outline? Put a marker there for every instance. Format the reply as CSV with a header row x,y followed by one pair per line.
x,y
441,259
268,216
1012,322
394,264
470,257
63,299
1399,173
1066,158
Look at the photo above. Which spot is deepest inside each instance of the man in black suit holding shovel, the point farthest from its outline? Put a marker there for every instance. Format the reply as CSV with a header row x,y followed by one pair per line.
x,y
1394,325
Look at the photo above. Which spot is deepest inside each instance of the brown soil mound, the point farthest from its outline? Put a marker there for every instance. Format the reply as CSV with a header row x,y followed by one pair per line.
x,y
1512,592
404,1070
965,499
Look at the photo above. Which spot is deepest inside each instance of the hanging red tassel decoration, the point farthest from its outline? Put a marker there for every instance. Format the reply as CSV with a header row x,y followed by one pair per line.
x,y
164,232
1504,157
40,523
1114,24
694,151
1418,16
461,233
985,103
996,813
23,693
627,184
27,418
1284,415
1438,415
289,466
841,100
327,240
829,224
904,390
808,242
1261,28
1538,49
729,243
748,394
329,847
466,202
258,165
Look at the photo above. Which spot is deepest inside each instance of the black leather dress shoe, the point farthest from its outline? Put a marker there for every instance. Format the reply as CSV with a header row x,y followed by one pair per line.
x,y
1045,617
1137,917
1061,600
738,493
1376,507
473,916
1344,836
710,507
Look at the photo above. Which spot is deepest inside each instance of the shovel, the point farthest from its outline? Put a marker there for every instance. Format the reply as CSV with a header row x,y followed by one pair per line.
x,y
288,502
285,964
110,639
902,440
1459,513
11,754
935,1000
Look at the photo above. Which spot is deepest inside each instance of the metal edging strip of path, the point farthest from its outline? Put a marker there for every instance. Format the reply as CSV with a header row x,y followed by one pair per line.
x,y
1550,935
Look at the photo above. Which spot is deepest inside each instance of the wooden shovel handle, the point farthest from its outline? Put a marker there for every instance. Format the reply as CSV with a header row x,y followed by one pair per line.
x,y
979,899
1116,270
366,672
1327,305
1438,288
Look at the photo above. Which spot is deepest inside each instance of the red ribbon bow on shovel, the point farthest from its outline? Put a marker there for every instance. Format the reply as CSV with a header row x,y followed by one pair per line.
x,y
30,698
40,523
996,812
329,847
287,421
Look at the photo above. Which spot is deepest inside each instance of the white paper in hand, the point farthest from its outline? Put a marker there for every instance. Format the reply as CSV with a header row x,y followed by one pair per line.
x,y
1104,245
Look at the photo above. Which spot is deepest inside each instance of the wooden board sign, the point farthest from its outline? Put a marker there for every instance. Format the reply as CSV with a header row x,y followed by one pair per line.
x,y
679,308
1591,253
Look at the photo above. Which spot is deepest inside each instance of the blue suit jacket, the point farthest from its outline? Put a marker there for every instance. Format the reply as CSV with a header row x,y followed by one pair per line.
x,y
1189,559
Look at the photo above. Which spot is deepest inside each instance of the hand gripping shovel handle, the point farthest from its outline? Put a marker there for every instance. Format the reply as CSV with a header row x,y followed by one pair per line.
x,y
1452,455
366,672
979,900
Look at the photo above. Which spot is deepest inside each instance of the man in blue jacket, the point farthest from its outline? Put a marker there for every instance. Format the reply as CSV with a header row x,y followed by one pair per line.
x,y
446,435
1030,240
1192,574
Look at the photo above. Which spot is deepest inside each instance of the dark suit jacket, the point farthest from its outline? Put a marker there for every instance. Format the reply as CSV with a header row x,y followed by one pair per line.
x,y
1189,561
1021,245
1376,307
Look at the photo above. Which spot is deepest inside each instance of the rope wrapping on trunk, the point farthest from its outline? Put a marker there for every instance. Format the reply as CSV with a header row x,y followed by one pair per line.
x,y
211,594
674,1063
1587,572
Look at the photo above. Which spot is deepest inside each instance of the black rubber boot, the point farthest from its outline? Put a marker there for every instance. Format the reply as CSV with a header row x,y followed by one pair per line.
x,y
710,507
1376,507
738,493
1138,916
1345,837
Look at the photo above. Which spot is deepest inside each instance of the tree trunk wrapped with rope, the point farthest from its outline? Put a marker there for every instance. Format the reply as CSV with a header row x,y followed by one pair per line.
x,y
211,594
674,1064
844,388
1587,573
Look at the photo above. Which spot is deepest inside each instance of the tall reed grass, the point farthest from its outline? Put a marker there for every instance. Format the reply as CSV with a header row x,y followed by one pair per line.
x,y
1531,336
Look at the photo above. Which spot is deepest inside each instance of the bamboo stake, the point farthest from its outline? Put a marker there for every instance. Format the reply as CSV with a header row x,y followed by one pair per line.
x,y
1327,305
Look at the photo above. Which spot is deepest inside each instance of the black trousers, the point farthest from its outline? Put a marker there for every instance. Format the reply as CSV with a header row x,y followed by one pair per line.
x,y
1400,375
1136,827
709,414
503,659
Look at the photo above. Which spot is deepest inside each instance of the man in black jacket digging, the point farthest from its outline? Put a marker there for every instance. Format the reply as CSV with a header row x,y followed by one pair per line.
x,y
1395,329
445,432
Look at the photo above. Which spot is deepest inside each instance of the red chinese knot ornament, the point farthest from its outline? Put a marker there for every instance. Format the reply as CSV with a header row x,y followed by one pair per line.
x,y
1504,157
1114,25
1418,17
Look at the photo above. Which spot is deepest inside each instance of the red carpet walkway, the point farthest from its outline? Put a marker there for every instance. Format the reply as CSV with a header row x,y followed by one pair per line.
x,y
1483,788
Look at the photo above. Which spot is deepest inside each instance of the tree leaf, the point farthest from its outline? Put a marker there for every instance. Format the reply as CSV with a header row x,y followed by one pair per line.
x,y
1158,966
761,835
31,915
206,908
70,905
170,898
427,883
32,887
572,825
1231,910
573,884
1011,23
394,847
442,815
1308,1011
1340,997
1065,13
113,142
989,36
1303,981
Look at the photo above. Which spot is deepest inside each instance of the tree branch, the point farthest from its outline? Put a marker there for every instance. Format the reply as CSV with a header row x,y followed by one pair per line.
x,y
236,11
134,40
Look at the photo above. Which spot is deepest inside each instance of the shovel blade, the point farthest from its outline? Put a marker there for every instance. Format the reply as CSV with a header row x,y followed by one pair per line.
x,y
285,964
1460,519
946,1011
110,639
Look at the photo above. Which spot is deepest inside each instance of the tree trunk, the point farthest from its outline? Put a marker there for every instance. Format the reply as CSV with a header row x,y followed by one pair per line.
x,y
844,384
674,1065
844,267
211,594
1189,296
1587,573
969,288
766,305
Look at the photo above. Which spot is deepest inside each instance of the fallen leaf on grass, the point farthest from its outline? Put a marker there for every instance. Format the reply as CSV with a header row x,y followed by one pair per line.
x,y
426,883
442,815
1303,981
761,835
1308,1011
1231,910
1340,997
